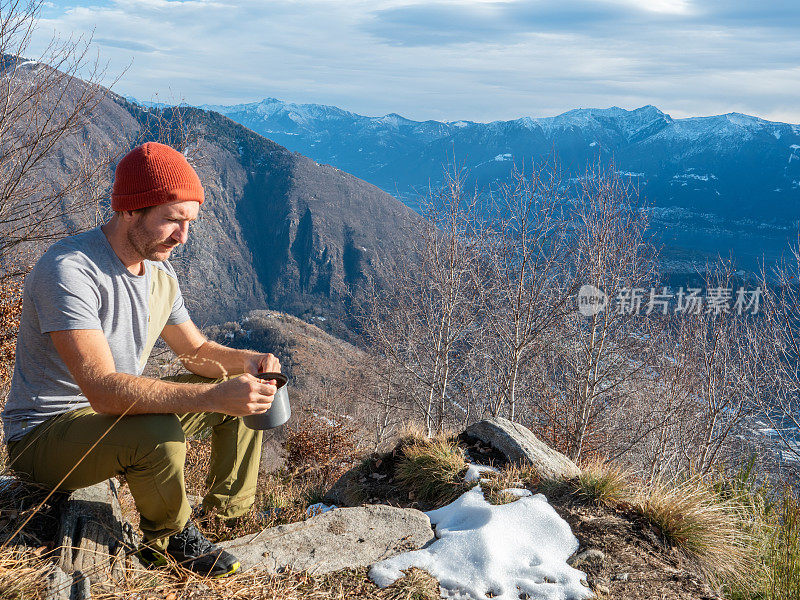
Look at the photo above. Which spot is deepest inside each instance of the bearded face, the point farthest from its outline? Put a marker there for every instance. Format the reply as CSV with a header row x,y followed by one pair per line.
x,y
154,233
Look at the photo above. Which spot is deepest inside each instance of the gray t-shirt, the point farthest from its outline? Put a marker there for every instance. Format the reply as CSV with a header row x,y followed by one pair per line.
x,y
80,283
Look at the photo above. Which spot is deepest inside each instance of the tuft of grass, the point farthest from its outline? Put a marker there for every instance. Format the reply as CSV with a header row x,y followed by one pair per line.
x,y
692,517
773,524
603,484
416,585
512,476
433,470
23,574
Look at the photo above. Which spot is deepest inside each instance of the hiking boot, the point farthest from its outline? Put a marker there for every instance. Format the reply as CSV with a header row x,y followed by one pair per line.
x,y
192,550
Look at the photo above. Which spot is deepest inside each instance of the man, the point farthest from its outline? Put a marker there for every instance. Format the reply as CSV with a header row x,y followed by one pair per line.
x,y
79,411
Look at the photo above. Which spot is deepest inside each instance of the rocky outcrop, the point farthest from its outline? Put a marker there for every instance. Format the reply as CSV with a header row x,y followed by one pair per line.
x,y
518,444
337,539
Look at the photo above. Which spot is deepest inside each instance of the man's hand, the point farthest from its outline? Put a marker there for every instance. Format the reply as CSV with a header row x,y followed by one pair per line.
x,y
262,363
242,396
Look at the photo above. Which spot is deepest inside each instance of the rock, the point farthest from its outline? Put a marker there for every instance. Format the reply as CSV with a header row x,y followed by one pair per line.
x,y
621,577
59,585
347,490
592,557
341,538
93,535
63,586
519,445
81,587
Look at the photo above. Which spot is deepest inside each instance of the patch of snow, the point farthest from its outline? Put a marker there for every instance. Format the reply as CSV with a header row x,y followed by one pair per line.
x,y
694,176
326,420
460,124
502,157
319,508
593,144
630,174
505,552
474,472
28,62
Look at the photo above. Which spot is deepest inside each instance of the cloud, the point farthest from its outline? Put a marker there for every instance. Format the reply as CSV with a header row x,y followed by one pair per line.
x,y
452,59
125,44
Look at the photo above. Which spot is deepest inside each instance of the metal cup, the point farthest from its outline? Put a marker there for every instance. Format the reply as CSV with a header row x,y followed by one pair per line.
x,y
279,412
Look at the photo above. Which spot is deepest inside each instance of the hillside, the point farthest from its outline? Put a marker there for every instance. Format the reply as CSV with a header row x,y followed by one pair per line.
x,y
277,230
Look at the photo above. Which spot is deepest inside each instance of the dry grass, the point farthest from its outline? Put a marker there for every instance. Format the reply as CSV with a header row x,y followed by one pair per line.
x,y
511,476
23,574
603,484
340,585
432,469
694,518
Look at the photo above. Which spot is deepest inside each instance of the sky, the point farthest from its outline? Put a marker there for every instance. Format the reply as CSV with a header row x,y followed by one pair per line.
x,y
479,60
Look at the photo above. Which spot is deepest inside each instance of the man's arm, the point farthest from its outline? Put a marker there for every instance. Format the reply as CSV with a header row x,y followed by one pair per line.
x,y
88,357
209,359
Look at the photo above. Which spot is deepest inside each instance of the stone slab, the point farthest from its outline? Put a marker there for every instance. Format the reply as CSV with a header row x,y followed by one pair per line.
x,y
338,539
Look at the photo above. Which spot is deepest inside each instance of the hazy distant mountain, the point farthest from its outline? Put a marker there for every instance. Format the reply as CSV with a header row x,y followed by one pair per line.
x,y
720,183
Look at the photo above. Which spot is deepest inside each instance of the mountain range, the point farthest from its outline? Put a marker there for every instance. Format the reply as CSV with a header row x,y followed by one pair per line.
x,y
713,185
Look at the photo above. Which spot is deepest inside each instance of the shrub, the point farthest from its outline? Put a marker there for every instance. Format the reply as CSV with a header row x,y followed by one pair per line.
x,y
323,444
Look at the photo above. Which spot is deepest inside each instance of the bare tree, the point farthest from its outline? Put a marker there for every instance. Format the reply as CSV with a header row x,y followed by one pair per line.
x,y
523,288
777,345
586,376
715,341
423,318
45,102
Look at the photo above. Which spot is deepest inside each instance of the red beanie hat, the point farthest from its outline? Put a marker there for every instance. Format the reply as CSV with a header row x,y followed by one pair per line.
x,y
153,174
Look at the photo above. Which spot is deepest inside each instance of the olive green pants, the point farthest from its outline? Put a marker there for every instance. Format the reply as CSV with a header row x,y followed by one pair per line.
x,y
150,451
